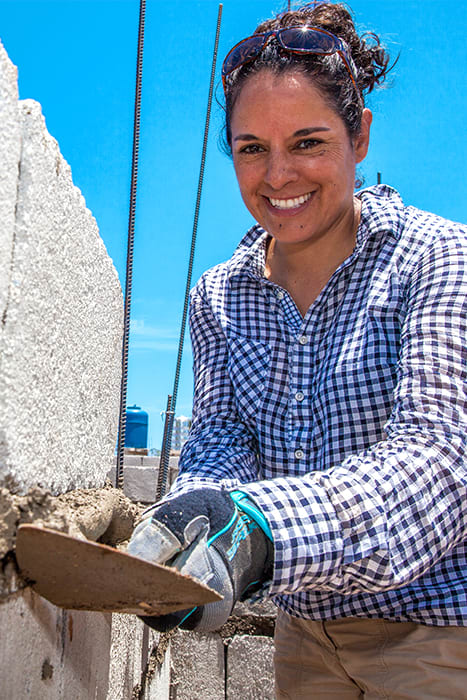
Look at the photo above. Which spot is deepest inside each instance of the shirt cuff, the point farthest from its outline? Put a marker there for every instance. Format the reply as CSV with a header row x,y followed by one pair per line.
x,y
306,532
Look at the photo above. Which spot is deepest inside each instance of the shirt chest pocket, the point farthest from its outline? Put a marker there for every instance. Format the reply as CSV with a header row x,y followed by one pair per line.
x,y
363,366
248,367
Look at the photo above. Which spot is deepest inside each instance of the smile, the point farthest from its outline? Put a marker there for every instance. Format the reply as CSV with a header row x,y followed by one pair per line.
x,y
290,203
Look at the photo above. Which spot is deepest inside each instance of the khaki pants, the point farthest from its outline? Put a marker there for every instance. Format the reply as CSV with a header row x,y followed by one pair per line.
x,y
359,658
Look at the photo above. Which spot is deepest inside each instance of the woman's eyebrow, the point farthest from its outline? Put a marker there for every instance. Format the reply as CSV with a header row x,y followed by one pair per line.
x,y
311,130
301,132
246,137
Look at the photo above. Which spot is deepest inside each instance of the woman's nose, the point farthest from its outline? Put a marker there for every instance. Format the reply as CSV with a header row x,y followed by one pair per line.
x,y
280,170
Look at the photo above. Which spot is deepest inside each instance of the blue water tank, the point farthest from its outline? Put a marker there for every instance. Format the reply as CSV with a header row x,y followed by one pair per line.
x,y
136,432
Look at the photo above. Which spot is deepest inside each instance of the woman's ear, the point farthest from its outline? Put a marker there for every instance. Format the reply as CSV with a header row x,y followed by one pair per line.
x,y
362,141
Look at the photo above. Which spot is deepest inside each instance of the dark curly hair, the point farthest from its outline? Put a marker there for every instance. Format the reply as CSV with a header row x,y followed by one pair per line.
x,y
328,73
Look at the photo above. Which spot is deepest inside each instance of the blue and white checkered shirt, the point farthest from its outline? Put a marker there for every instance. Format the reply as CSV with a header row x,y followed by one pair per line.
x,y
346,427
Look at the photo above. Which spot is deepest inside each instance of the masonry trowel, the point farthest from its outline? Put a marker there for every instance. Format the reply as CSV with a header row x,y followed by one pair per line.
x,y
79,574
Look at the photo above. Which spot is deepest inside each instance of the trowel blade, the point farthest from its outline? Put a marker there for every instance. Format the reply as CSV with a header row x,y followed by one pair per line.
x,y
82,575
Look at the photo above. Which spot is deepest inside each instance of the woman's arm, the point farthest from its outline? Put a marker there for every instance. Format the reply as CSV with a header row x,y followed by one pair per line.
x,y
384,516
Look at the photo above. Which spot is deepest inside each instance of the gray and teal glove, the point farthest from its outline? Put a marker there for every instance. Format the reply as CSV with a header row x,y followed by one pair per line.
x,y
220,539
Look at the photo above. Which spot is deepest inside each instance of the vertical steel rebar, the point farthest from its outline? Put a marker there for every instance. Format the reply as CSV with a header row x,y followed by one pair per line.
x,y
165,450
170,414
130,247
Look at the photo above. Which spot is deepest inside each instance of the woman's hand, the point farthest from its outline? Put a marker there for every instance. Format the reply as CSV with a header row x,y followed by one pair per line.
x,y
205,534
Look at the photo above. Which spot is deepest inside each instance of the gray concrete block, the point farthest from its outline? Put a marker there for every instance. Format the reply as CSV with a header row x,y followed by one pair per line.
x,y
139,461
155,683
140,480
136,460
137,666
10,145
51,654
61,340
85,638
158,687
197,661
250,674
30,657
125,656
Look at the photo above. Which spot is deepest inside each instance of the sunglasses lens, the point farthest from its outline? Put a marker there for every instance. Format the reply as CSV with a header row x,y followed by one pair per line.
x,y
245,51
298,39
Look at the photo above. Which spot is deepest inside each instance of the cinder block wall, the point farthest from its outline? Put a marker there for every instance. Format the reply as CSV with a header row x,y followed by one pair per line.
x,y
60,310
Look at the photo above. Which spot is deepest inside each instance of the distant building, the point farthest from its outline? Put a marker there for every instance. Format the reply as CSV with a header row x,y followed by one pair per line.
x,y
181,428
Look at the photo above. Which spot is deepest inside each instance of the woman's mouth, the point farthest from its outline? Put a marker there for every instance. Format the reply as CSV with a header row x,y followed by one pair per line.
x,y
291,203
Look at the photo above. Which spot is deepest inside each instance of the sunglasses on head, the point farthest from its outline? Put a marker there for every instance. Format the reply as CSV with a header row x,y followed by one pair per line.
x,y
303,39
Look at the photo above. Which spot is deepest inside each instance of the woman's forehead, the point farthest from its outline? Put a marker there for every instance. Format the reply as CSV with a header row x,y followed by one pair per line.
x,y
287,97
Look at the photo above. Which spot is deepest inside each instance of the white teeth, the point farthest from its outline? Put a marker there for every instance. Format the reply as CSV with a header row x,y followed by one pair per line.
x,y
290,203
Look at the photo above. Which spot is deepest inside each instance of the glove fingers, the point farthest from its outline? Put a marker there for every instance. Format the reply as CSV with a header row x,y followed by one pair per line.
x,y
212,615
154,542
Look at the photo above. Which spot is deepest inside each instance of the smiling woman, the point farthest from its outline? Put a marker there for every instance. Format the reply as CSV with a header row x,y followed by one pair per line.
x,y
330,409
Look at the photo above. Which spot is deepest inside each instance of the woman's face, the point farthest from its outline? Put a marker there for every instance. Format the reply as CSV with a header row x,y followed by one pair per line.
x,y
293,157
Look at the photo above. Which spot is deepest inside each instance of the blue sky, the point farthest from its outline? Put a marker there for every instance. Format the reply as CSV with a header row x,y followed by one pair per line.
x,y
77,58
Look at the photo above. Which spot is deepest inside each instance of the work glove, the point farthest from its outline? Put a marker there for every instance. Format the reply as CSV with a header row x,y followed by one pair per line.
x,y
205,534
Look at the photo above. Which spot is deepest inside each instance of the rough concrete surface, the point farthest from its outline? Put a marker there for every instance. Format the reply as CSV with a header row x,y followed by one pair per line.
x,y
60,342
250,669
159,686
10,144
132,644
51,653
69,655
155,676
197,662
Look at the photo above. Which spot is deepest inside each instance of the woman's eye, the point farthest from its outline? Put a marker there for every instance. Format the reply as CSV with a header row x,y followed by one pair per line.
x,y
307,143
251,149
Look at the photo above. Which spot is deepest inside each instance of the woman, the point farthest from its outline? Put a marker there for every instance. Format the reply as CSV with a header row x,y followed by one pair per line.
x,y
326,463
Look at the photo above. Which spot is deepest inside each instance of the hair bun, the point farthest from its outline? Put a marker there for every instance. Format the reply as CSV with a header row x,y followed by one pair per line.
x,y
370,58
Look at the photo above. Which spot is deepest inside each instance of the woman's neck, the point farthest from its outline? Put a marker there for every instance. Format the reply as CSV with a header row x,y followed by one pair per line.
x,y
304,269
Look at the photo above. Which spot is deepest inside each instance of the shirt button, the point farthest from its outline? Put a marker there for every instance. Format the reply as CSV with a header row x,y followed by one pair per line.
x,y
299,454
299,396
303,339
280,294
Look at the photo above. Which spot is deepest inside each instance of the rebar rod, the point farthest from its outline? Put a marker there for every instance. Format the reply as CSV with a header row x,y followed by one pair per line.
x,y
130,248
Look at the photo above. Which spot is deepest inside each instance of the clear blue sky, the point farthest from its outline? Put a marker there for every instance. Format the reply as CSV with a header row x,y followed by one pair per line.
x,y
77,58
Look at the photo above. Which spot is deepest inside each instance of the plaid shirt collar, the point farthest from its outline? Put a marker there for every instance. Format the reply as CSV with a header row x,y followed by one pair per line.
x,y
250,256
